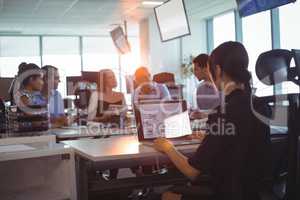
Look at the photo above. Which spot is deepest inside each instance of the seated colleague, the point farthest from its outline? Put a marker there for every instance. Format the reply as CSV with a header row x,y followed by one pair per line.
x,y
53,97
101,101
208,97
146,89
30,79
236,156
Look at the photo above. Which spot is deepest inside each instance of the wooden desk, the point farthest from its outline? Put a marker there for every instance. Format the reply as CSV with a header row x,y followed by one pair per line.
x,y
118,152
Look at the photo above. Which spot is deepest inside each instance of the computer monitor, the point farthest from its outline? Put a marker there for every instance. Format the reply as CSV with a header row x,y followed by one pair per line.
x,y
250,7
5,84
120,40
72,82
172,20
91,77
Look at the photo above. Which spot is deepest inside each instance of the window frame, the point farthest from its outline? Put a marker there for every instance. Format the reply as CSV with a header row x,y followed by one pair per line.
x,y
80,46
275,33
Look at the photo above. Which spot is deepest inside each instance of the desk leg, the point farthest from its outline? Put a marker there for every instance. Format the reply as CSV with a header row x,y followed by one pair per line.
x,y
82,178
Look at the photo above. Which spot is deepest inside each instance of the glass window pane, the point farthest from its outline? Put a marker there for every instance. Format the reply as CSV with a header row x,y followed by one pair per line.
x,y
100,53
290,35
257,39
63,53
224,28
14,50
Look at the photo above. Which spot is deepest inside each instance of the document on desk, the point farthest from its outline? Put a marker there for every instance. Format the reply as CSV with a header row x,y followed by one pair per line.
x,y
15,148
178,125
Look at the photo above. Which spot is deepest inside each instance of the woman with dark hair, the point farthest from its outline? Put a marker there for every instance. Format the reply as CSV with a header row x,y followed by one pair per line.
x,y
30,83
234,152
207,94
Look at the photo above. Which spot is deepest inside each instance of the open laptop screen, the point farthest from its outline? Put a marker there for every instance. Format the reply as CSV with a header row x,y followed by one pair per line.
x,y
151,118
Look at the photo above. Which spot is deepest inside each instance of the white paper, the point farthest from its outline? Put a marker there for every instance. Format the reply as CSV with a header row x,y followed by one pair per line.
x,y
178,125
153,116
15,148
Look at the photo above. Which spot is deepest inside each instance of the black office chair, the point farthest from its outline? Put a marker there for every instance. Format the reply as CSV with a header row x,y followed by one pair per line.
x,y
274,67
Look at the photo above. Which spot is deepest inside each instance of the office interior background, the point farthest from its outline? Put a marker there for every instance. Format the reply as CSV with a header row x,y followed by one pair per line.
x,y
74,36
71,161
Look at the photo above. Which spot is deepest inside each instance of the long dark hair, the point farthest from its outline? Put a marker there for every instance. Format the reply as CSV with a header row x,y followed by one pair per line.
x,y
233,59
201,60
24,67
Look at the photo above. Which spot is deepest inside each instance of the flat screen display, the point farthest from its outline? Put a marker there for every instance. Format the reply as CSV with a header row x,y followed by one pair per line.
x,y
172,20
249,7
120,40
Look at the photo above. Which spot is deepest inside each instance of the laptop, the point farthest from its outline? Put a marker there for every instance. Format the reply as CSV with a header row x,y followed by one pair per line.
x,y
167,119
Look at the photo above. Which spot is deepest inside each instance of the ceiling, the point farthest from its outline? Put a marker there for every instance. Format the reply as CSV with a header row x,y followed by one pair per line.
x,y
69,16
81,17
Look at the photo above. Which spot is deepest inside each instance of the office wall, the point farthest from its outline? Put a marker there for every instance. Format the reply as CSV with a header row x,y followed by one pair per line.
x,y
169,56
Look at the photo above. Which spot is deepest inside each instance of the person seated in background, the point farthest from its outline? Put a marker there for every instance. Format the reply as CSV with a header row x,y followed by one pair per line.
x,y
102,102
207,94
53,97
236,155
146,89
30,80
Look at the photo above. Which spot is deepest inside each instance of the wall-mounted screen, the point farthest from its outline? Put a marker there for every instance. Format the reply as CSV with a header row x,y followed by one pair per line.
x,y
249,7
172,20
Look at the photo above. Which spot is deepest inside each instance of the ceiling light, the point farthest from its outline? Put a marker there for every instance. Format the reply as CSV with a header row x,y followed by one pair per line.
x,y
153,3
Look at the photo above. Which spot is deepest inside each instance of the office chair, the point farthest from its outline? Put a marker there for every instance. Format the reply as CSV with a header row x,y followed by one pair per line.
x,y
274,67
164,78
176,91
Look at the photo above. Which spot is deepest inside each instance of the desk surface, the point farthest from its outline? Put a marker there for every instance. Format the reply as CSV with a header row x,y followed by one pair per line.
x,y
116,148
86,132
41,149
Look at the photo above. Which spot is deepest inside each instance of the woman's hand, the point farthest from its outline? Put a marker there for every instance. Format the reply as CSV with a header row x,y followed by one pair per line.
x,y
163,145
199,135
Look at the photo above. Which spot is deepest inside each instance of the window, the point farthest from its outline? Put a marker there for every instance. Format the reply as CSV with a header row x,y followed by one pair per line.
x,y
224,28
131,61
290,35
258,39
63,53
100,53
15,50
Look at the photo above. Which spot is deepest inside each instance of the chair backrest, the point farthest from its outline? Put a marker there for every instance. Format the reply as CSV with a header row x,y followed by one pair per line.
x,y
274,67
164,78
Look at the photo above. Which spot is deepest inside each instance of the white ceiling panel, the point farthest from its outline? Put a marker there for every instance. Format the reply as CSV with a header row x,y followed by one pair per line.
x,y
78,16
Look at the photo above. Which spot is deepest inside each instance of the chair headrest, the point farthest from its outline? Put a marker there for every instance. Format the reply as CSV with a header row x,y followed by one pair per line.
x,y
164,78
272,67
